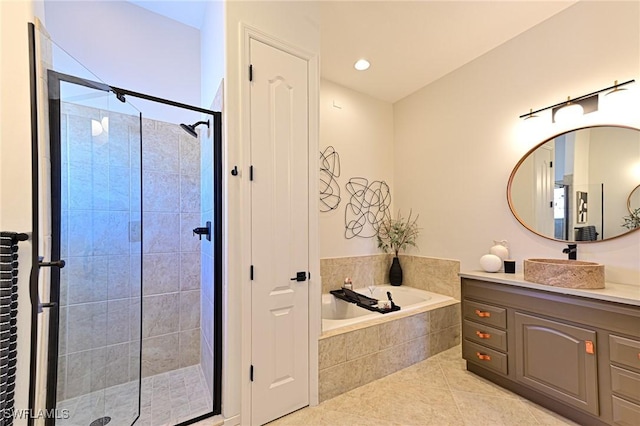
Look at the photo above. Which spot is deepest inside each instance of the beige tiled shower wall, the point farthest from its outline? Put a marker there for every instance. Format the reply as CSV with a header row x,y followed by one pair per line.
x,y
355,358
426,273
171,253
100,287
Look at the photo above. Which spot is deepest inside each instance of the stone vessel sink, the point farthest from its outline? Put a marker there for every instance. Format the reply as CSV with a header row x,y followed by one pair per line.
x,y
564,273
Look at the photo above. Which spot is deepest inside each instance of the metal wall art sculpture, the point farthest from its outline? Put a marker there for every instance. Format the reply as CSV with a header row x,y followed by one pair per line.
x,y
329,187
368,205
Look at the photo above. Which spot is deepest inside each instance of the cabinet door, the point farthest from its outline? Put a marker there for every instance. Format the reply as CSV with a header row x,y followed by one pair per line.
x,y
557,359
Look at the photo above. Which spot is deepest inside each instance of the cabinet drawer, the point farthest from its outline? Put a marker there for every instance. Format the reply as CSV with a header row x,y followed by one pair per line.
x,y
625,351
625,413
485,335
484,356
485,314
625,383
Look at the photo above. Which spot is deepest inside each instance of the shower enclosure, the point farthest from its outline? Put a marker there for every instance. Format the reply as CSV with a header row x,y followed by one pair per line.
x,y
133,315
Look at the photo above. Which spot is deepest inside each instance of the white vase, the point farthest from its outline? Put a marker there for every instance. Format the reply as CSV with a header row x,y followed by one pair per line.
x,y
490,263
500,249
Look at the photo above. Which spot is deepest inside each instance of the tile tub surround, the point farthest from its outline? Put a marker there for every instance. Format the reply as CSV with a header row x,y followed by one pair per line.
x,y
358,356
361,269
426,273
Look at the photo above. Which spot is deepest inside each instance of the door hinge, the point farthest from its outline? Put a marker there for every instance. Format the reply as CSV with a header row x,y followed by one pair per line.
x,y
251,272
309,276
251,373
250,72
551,204
550,164
250,172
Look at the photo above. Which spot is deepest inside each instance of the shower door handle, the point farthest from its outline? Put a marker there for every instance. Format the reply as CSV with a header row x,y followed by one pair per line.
x,y
55,264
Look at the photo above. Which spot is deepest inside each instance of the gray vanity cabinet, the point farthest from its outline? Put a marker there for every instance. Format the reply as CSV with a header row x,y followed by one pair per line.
x,y
579,357
557,359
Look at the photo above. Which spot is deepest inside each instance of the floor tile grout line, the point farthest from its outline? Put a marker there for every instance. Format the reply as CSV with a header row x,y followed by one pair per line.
x,y
455,401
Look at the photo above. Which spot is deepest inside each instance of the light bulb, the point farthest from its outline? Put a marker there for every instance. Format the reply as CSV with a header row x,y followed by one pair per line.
x,y
568,113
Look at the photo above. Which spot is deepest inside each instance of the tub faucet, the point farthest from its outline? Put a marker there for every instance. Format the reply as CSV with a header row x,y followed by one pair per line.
x,y
393,305
571,251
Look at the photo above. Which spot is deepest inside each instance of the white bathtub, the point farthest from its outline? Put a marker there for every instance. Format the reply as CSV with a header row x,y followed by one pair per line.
x,y
337,313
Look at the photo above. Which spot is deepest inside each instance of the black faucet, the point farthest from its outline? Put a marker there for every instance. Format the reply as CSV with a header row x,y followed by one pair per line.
x,y
572,251
393,305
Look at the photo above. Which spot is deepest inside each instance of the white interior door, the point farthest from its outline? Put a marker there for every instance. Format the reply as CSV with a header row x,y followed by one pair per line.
x,y
280,232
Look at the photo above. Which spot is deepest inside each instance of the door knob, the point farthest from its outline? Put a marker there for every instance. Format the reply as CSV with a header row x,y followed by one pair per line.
x,y
300,276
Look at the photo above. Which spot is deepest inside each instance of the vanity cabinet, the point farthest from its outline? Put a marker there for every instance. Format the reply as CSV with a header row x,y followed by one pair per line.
x,y
576,356
557,359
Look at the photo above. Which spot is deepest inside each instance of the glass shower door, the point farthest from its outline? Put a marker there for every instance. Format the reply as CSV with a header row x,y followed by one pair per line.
x,y
97,231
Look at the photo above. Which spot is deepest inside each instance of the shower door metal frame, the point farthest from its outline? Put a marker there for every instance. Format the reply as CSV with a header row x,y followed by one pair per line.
x,y
54,80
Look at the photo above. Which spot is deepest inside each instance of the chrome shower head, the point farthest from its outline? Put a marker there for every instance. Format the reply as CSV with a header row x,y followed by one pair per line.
x,y
191,128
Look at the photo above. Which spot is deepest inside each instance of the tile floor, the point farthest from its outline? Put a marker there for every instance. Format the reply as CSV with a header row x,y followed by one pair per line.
x,y
437,391
167,399
174,397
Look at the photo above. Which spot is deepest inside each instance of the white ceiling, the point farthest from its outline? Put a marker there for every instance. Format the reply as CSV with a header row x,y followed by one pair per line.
x,y
409,43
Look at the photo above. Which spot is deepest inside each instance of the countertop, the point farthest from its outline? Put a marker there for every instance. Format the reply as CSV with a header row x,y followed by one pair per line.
x,y
612,292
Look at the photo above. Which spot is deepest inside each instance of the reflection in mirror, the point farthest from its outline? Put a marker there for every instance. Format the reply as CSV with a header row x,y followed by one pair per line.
x,y
633,205
575,186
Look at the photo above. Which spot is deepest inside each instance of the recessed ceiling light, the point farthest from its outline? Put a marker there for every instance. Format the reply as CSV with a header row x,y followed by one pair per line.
x,y
362,64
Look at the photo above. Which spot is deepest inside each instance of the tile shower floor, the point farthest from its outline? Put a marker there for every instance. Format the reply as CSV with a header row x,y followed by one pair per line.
x,y
437,391
167,399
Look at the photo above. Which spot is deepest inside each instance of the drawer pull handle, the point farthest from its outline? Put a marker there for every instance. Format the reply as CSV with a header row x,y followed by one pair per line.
x,y
588,345
483,357
483,314
482,335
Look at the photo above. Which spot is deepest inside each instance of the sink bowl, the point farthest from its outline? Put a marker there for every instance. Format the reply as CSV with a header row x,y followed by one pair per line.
x,y
564,273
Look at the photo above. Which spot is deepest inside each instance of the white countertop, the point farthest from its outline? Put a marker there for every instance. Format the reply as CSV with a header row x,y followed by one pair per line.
x,y
612,292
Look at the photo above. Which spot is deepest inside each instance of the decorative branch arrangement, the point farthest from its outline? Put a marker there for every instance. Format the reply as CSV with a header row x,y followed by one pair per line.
x,y
633,220
329,187
368,206
397,234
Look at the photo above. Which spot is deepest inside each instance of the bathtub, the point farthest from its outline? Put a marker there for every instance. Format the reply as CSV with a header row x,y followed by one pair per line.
x,y
337,313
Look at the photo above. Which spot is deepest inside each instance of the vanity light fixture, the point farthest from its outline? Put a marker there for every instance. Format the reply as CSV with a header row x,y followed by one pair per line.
x,y
570,108
361,65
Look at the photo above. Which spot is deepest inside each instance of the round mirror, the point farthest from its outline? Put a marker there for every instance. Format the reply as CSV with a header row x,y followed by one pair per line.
x,y
576,186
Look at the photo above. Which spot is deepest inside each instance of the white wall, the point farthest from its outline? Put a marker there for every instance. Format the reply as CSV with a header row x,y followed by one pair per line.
x,y
297,24
130,47
360,128
212,41
620,181
457,140
15,165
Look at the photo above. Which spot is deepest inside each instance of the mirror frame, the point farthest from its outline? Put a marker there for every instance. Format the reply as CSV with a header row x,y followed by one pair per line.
x,y
526,155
